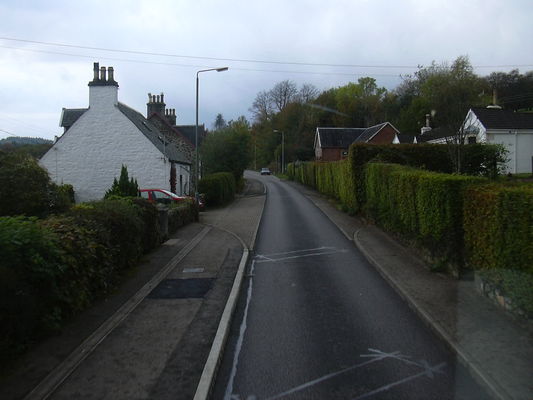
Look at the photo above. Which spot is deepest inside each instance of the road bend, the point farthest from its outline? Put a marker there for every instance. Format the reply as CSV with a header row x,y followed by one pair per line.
x,y
316,321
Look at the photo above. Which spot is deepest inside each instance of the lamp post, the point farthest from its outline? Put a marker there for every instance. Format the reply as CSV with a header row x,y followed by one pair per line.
x,y
197,161
282,149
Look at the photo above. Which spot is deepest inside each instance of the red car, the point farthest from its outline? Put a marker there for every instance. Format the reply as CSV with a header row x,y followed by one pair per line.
x,y
166,197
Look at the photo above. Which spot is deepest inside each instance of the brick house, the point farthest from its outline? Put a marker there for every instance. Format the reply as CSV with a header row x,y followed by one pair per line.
x,y
332,144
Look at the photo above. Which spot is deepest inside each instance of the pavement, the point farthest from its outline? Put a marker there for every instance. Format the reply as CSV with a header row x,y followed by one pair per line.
x,y
150,340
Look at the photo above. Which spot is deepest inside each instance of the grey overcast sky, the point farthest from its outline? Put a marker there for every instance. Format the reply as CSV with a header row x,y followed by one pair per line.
x,y
378,38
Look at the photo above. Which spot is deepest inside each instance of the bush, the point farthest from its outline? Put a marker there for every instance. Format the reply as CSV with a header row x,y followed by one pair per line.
x,y
151,236
124,187
24,186
421,205
499,238
182,214
218,188
30,263
118,225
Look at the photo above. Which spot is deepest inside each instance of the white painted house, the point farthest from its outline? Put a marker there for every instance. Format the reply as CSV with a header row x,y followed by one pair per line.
x,y
513,130
98,140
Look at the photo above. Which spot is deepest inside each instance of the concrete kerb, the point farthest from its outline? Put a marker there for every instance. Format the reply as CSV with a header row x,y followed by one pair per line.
x,y
495,390
205,385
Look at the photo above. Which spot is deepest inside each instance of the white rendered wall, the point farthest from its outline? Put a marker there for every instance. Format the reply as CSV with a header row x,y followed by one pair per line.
x,y
90,154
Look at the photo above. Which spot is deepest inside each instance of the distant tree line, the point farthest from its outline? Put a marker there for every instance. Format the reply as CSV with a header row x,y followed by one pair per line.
x,y
444,91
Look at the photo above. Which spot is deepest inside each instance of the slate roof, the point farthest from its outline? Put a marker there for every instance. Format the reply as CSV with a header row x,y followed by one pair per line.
x,y
70,115
339,137
405,138
153,134
344,137
189,131
370,132
493,118
434,134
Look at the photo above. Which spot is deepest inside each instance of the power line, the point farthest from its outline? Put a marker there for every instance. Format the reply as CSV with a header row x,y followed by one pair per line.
x,y
196,66
146,53
244,60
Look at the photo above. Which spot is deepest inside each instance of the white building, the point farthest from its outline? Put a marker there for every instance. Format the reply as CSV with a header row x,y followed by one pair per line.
x,y
98,140
513,130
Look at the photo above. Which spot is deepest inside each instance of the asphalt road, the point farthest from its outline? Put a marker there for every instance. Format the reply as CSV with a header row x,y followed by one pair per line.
x,y
316,321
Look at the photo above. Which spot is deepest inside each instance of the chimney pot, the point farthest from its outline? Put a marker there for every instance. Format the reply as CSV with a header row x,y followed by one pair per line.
x,y
149,97
102,74
427,121
96,67
162,101
110,74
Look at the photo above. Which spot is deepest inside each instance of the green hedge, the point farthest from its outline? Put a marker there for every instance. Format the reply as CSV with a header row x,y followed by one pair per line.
x,y
51,269
218,188
181,215
421,205
498,224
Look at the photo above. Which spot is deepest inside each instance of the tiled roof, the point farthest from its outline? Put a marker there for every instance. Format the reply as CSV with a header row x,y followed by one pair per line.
x,y
434,134
189,131
70,115
494,118
153,134
405,138
370,132
339,137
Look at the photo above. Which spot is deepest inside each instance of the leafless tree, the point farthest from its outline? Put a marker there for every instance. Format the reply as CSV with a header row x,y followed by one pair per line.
x,y
307,93
262,106
282,94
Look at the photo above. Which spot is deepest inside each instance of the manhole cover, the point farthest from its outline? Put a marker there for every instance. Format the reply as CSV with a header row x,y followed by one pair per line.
x,y
195,288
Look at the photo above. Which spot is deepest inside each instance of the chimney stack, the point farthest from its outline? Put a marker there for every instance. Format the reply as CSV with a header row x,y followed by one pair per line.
x,y
155,105
103,90
427,127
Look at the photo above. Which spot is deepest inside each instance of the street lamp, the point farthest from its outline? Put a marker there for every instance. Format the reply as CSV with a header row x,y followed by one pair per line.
x,y
197,161
282,150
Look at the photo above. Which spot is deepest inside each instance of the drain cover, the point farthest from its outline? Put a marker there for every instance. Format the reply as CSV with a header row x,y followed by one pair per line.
x,y
195,288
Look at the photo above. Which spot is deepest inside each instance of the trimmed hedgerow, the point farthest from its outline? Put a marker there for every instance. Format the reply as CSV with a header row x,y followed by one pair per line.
x,y
421,205
51,269
498,221
218,188
30,263
181,215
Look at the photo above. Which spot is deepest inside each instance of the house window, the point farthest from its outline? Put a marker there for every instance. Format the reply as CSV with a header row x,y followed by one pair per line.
x,y
471,140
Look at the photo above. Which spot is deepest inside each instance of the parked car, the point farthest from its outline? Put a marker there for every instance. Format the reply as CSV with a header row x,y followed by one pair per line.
x,y
166,197
265,171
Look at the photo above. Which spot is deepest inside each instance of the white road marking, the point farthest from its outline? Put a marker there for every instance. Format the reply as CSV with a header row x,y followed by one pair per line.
x,y
428,372
229,389
319,251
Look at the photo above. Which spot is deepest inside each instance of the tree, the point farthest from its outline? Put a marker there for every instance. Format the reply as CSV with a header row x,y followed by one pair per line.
x,y
262,107
228,150
220,123
514,90
26,188
124,187
307,93
282,94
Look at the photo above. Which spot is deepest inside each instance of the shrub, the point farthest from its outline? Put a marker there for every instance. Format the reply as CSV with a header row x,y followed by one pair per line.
x,y
148,213
24,186
219,188
499,238
421,205
124,187
182,214
119,227
30,263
